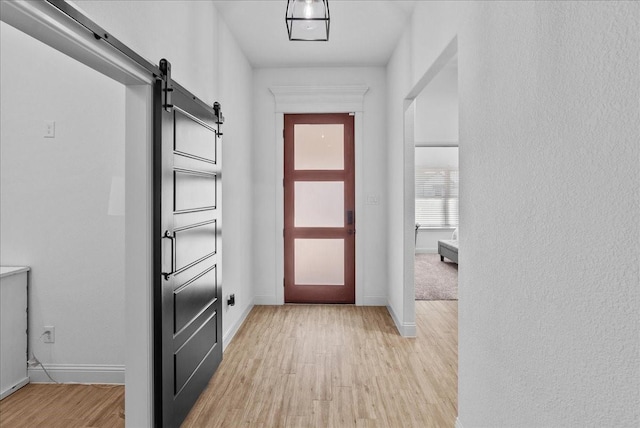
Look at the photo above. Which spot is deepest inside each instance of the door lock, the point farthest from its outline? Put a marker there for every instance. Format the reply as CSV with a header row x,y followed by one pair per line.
x,y
350,217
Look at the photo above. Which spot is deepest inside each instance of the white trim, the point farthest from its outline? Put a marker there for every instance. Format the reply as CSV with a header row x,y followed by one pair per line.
x,y
360,211
45,23
426,251
231,333
374,301
406,329
437,144
434,69
78,373
408,236
458,423
268,300
14,388
278,298
139,255
317,99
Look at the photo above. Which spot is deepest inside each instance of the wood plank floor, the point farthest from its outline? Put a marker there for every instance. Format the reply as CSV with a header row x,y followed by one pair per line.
x,y
296,366
53,406
335,366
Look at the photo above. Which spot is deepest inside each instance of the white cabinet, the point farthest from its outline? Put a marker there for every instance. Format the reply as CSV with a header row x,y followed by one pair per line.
x,y
13,329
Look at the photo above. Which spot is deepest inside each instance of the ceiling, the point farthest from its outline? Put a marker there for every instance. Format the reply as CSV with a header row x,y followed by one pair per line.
x,y
363,33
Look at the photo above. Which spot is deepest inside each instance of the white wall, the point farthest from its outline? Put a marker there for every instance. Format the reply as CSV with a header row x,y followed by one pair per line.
x,y
54,204
398,85
183,32
548,323
207,61
370,223
197,37
236,97
437,108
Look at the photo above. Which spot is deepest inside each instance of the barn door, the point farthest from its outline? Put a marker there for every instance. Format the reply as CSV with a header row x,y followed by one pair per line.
x,y
187,295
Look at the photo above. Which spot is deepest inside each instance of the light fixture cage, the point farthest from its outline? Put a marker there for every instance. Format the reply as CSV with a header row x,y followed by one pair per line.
x,y
308,20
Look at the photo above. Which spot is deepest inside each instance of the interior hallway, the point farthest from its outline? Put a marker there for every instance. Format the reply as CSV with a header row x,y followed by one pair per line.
x,y
305,366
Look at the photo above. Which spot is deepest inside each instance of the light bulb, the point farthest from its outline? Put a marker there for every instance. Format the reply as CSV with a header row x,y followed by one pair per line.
x,y
308,9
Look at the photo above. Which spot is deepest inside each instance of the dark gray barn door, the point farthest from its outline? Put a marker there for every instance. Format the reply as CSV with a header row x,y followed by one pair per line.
x,y
187,297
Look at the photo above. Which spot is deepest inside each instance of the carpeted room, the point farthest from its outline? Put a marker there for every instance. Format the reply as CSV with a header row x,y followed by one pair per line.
x,y
436,233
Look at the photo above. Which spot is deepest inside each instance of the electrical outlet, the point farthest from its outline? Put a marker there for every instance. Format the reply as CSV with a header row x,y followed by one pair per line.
x,y
49,334
231,301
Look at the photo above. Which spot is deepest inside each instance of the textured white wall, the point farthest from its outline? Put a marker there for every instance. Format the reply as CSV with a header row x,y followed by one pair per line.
x,y
55,199
549,160
370,223
549,295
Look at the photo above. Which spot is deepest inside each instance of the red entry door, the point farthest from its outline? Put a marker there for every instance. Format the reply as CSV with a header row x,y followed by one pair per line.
x,y
319,199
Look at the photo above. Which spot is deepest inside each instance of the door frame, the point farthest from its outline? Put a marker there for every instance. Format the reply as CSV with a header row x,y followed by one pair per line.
x,y
318,99
320,293
406,320
43,22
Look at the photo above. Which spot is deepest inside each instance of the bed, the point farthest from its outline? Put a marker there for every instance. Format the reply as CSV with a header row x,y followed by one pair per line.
x,y
448,249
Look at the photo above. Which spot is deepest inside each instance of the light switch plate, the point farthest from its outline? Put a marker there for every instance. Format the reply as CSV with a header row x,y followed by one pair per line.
x,y
372,199
49,129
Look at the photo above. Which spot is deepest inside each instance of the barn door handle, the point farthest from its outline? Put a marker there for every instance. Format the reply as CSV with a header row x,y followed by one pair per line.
x,y
172,238
349,217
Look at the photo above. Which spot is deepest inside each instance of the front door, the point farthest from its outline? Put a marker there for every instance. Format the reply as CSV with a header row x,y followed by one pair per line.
x,y
187,294
319,198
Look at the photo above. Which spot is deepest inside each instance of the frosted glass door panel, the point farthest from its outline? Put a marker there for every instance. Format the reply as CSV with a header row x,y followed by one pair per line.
x,y
318,147
319,204
319,261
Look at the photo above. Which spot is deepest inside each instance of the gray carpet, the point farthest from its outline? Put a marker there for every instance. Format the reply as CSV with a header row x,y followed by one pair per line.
x,y
435,280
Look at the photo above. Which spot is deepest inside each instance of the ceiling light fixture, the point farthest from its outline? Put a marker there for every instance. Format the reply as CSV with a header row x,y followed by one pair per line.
x,y
308,20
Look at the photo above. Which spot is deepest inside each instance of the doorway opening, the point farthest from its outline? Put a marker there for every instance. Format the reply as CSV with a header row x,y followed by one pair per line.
x,y
412,123
436,185
319,208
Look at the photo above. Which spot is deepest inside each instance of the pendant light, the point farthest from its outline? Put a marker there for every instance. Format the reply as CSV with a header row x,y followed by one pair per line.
x,y
308,20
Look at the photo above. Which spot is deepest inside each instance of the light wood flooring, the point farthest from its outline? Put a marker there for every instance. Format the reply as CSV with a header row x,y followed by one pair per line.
x,y
298,366
61,406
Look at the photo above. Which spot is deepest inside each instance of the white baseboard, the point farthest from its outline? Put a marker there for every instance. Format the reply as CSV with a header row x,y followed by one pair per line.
x,y
405,329
272,300
458,423
266,301
229,335
426,251
14,388
78,373
375,301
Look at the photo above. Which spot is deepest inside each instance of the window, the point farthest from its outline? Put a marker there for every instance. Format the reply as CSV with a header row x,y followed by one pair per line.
x,y
436,186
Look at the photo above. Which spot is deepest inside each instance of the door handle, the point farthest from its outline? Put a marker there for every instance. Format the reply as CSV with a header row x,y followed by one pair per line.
x,y
350,217
172,238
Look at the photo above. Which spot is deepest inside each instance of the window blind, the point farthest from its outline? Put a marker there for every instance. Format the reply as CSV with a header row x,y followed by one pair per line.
x,y
436,196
